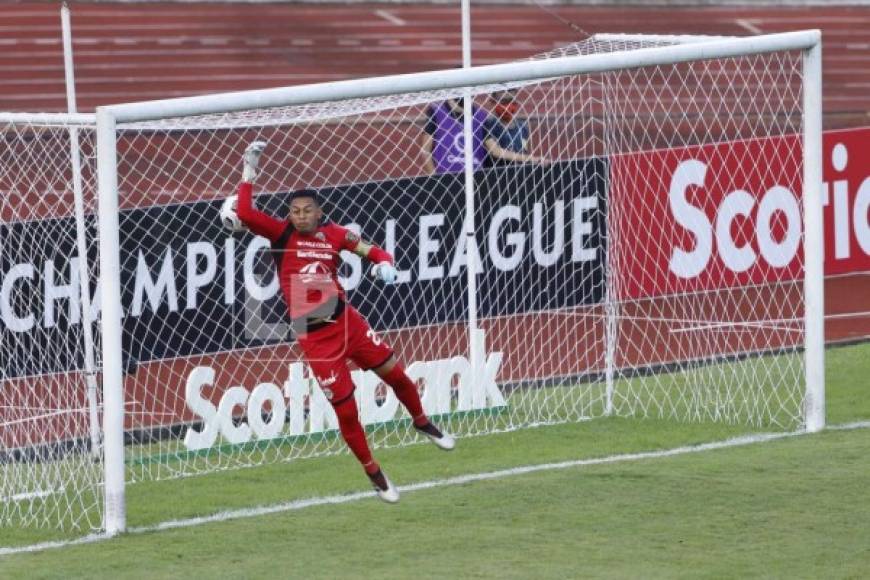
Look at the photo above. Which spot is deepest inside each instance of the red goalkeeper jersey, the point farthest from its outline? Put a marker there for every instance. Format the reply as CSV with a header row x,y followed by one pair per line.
x,y
307,263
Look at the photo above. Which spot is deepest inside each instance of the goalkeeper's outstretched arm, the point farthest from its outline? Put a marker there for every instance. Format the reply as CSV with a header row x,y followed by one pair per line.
x,y
382,261
258,222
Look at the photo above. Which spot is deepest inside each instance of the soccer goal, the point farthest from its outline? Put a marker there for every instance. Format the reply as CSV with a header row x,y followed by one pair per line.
x,y
656,253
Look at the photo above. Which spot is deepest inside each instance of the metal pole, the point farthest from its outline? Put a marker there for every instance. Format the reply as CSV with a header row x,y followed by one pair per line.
x,y
476,341
814,289
611,258
81,239
110,282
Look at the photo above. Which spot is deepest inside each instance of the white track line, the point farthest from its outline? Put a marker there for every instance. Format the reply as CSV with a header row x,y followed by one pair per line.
x,y
390,17
749,25
451,481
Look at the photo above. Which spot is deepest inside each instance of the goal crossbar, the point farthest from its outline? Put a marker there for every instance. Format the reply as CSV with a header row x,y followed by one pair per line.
x,y
456,78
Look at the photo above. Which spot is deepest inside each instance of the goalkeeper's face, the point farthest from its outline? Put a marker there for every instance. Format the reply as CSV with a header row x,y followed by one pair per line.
x,y
305,214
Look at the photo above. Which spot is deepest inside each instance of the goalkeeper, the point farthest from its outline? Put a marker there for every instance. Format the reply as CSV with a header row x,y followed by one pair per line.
x,y
329,330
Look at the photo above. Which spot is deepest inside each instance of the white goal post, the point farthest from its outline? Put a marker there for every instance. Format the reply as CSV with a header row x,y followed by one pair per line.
x,y
578,324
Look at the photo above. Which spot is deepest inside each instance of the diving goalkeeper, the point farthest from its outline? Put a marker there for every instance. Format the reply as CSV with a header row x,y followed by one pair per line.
x,y
329,330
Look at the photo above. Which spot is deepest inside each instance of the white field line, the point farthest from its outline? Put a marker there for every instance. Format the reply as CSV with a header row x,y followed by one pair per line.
x,y
451,481
33,495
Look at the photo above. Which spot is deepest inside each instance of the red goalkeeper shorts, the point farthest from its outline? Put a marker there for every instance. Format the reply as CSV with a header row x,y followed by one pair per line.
x,y
328,348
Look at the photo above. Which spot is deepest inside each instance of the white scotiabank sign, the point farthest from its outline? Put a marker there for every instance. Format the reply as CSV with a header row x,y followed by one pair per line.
x,y
300,392
730,214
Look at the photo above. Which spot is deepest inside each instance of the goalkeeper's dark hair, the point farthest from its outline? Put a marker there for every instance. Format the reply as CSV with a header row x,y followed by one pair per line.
x,y
305,193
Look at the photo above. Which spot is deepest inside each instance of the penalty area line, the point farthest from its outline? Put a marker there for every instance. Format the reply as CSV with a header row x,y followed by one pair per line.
x,y
423,485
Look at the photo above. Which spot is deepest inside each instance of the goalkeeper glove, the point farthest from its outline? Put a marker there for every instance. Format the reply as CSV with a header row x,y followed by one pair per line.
x,y
252,160
385,272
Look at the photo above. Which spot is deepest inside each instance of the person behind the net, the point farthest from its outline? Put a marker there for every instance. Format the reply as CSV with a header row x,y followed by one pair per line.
x,y
507,133
329,330
443,143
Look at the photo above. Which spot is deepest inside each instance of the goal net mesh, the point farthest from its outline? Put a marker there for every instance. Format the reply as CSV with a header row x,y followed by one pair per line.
x,y
643,262
50,473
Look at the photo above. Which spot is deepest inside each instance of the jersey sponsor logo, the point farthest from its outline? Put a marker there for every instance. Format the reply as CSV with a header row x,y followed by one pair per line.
x,y
313,272
319,245
328,381
309,255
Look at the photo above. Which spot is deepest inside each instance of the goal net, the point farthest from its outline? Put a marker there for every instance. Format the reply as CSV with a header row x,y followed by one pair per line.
x,y
50,471
637,252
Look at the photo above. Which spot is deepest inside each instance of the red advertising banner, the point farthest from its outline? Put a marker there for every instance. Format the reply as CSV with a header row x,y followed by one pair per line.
x,y
699,218
846,195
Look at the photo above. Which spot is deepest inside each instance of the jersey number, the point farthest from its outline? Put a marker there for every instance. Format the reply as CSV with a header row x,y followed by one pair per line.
x,y
374,337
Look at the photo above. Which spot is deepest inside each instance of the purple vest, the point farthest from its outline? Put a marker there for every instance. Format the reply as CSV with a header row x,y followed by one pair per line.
x,y
448,151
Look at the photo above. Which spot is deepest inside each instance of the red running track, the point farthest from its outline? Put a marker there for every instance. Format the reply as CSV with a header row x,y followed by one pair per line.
x,y
127,52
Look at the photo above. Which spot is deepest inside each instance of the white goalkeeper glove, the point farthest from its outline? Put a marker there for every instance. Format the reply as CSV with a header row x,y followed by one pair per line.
x,y
385,272
252,160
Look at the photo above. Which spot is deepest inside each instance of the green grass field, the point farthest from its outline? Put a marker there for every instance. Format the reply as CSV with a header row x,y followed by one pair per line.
x,y
794,507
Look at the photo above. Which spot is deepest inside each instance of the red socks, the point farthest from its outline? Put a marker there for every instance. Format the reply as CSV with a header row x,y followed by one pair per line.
x,y
354,435
352,430
406,391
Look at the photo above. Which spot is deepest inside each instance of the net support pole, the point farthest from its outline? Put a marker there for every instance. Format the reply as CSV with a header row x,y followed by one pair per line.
x,y
814,289
611,262
476,341
81,240
110,282
610,335
611,274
